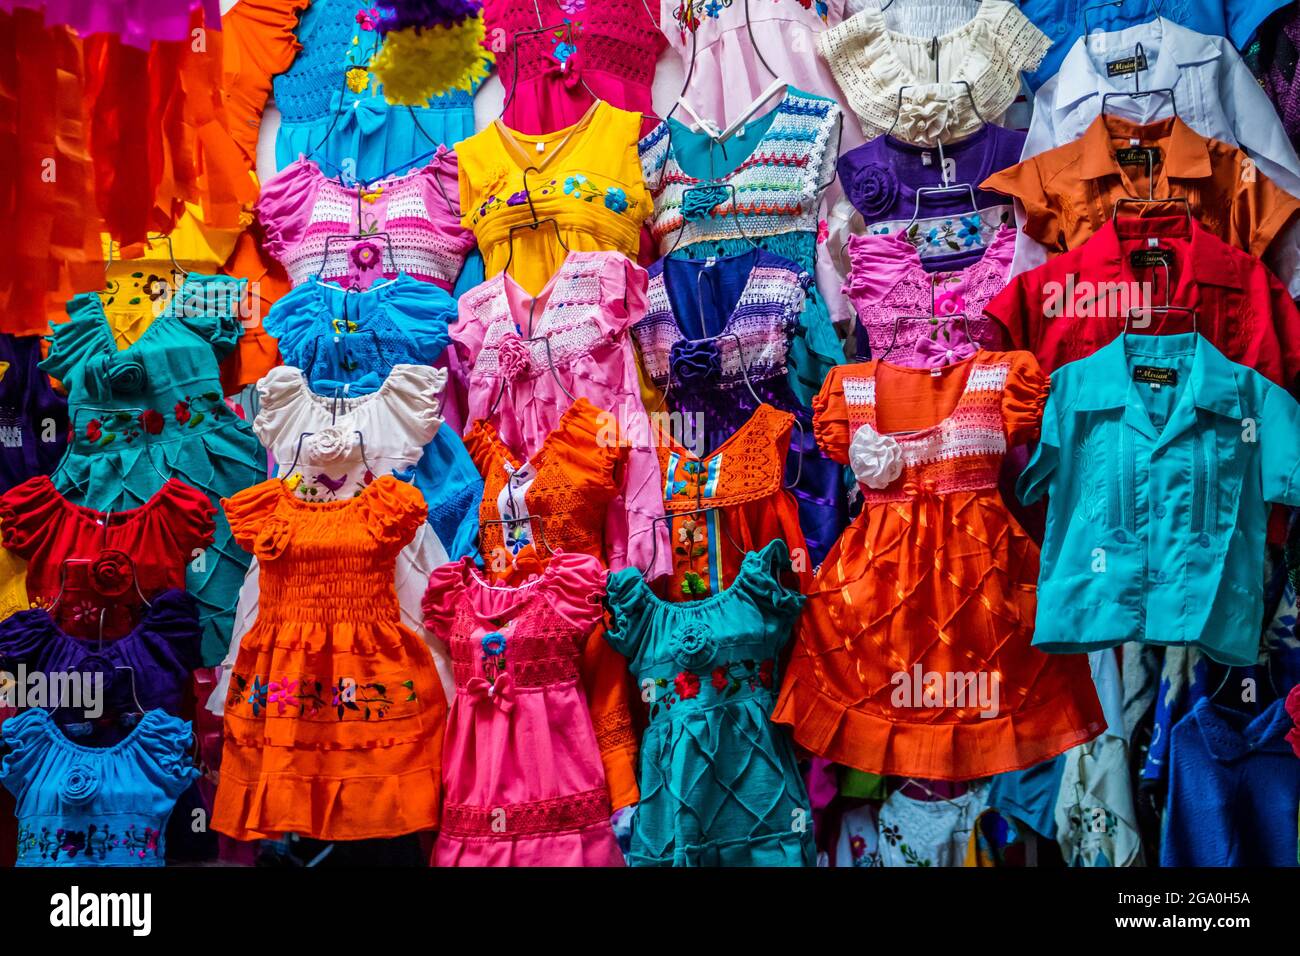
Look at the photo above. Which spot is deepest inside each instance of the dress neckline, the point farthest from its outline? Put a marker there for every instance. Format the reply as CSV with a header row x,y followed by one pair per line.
x,y
969,363
769,119
569,137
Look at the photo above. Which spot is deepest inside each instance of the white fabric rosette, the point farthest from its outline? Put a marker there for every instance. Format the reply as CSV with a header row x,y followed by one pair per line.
x,y
876,459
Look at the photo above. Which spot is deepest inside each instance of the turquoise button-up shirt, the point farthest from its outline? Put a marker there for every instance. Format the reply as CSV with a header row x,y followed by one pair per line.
x,y
1159,456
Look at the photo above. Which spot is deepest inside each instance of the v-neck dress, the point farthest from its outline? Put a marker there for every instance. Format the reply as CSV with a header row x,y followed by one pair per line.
x,y
778,165
153,411
522,388
715,343
586,178
933,577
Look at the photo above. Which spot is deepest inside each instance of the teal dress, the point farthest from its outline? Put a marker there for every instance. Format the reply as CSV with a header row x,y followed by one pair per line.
x,y
155,411
719,783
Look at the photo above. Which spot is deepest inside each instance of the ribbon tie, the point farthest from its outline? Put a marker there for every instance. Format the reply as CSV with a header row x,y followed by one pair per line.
x,y
499,691
567,65
917,487
934,353
367,114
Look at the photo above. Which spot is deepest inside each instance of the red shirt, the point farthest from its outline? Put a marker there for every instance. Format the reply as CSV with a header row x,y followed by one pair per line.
x,y
1074,304
159,537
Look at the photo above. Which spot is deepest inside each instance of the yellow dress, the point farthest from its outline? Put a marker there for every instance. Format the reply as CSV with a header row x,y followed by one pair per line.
x,y
587,177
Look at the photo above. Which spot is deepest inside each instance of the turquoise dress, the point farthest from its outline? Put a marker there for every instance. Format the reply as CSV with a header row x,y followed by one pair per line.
x,y
155,411
719,783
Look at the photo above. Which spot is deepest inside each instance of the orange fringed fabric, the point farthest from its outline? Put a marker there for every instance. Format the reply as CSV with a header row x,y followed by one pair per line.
x,y
933,577
49,247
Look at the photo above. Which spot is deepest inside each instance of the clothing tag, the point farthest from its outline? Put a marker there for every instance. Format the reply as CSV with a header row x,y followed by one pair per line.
x,y
1140,258
1127,66
1152,242
710,262
1155,375
541,147
927,159
1137,155
936,371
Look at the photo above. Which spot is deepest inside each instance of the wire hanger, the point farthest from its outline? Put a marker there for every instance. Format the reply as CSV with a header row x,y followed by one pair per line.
x,y
935,322
566,32
357,237
1140,51
965,84
1154,201
550,361
63,578
527,519
1164,310
133,414
673,515
534,225
297,455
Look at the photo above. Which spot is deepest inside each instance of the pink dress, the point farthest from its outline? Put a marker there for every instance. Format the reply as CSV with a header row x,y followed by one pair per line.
x,y
889,287
586,312
137,22
612,48
300,208
523,781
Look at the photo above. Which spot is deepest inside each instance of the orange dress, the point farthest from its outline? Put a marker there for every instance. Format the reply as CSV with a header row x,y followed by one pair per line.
x,y
565,490
335,716
913,655
742,483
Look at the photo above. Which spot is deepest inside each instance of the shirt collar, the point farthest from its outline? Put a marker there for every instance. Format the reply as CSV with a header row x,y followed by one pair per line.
x,y
1186,154
1079,79
1230,737
1211,260
1213,379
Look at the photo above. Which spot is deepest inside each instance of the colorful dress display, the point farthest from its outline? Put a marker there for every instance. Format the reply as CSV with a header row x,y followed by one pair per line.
x,y
335,715
719,783
146,408
33,417
932,578
523,775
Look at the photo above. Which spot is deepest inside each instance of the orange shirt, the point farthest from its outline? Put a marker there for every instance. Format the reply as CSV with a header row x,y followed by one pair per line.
x,y
1069,192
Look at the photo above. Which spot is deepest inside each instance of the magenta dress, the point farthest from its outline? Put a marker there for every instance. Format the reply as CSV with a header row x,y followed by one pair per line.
x,y
523,781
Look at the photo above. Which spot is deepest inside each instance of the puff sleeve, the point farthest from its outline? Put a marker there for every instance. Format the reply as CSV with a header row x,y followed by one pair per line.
x,y
415,395
190,520
285,204
254,523
28,738
1023,398
164,748
831,418
440,187
27,515
439,603
1039,475
1279,439
763,574
1024,183
211,309
625,618
454,498
393,511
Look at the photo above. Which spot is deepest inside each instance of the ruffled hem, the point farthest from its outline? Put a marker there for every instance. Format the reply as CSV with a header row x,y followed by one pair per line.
x,y
828,728
590,846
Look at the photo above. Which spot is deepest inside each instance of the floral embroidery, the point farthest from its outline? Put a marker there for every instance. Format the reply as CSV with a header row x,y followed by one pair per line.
x,y
358,78
615,199
310,699
95,842
368,18
724,681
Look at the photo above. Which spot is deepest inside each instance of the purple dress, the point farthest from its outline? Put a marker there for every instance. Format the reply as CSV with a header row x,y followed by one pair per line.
x,y
30,412
687,346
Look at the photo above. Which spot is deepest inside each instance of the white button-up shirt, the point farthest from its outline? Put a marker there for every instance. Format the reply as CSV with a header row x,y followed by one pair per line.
x,y
1214,92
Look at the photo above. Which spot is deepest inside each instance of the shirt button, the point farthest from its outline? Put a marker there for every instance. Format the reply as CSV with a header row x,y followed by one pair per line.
x,y
1203,540
1160,511
1121,537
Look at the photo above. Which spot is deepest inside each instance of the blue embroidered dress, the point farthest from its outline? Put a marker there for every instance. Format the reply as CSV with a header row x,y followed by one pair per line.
x,y
346,343
86,806
154,410
719,784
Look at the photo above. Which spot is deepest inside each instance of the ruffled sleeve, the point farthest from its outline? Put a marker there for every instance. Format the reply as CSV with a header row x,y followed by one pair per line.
x,y
763,573
210,307
624,628
28,515
440,186
593,454
23,636
393,511
623,286
163,743
1024,182
72,342
1023,399
173,635
252,510
285,204
291,321
423,313
831,418
27,736
441,597
277,392
188,521
414,397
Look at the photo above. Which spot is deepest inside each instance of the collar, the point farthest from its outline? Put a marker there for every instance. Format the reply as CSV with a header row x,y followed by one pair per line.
x,y
1186,153
1213,379
1210,259
1228,741
1078,78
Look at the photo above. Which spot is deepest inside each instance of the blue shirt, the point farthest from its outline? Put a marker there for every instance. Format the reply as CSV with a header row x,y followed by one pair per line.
x,y
1159,456
1062,20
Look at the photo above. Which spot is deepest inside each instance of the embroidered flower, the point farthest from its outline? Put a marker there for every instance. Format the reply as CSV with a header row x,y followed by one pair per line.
x,y
573,185
721,679
969,233
563,51
572,6
330,445
699,201
112,573
876,459
518,199
80,785
368,19
494,644
823,231
687,685
151,421
358,78
690,532
514,358
693,646
365,255
615,199
272,539
693,585
156,287
873,189
94,430
182,412
695,363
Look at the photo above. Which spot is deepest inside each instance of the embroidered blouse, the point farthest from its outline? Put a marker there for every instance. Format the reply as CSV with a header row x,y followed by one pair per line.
x,y
33,417
522,388
305,214
1135,550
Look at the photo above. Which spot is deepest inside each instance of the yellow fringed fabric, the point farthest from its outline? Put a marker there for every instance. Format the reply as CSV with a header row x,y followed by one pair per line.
x,y
416,65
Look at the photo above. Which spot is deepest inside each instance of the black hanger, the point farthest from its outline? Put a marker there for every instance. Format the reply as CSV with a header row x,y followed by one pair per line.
x,y
534,225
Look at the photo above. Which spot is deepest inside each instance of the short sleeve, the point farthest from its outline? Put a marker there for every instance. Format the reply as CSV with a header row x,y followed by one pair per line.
x,y
72,341
285,204
23,636
191,519
625,630
1262,213
831,418
249,511
164,745
440,599
210,307
393,511
1024,182
27,736
276,391
1245,17
623,286
1279,437
28,515
578,589
1023,398
1016,309
440,189
763,573
414,403
1036,480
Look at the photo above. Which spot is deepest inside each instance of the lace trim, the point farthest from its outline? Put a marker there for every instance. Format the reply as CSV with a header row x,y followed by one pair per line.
x,y
536,818
613,731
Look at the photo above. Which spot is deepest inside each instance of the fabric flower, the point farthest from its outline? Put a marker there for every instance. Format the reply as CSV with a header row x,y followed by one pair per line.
x,y
112,573
330,445
873,189
514,357
928,119
699,201
151,421
272,539
494,644
695,363
113,375
693,646
687,685
876,459
615,199
79,785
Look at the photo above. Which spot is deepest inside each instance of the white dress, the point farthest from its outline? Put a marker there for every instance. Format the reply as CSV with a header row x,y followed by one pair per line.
x,y
349,442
